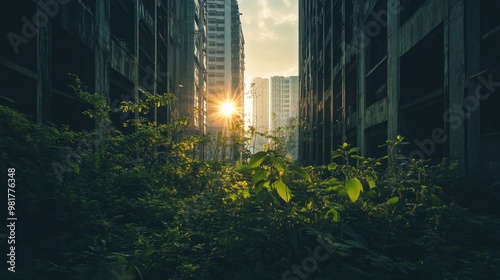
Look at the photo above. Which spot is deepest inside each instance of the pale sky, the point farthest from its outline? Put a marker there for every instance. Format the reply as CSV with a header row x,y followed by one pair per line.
x,y
270,28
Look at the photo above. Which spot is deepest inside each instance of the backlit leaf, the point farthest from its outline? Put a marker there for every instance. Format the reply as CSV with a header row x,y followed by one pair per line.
x,y
353,188
283,190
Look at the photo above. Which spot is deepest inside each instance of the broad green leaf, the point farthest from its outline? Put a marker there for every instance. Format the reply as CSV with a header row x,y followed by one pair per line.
x,y
242,168
392,200
283,190
301,172
353,188
279,164
259,175
332,166
357,157
256,159
354,150
337,153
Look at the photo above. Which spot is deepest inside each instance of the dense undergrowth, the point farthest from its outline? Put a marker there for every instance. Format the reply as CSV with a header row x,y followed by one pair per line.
x,y
104,205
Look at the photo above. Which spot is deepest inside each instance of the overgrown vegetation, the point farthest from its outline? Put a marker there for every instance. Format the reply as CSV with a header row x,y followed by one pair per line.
x,y
106,205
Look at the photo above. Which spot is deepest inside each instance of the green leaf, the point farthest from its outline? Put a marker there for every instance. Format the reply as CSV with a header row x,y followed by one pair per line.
x,y
279,164
337,153
357,157
332,166
148,252
301,172
354,150
353,188
256,159
259,175
371,182
242,168
335,215
283,190
392,200
333,182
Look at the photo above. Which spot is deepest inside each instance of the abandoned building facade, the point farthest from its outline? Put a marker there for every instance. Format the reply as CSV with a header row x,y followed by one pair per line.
x,y
118,48
424,69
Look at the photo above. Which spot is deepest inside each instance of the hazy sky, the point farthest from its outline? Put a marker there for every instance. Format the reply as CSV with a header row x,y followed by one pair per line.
x,y
270,28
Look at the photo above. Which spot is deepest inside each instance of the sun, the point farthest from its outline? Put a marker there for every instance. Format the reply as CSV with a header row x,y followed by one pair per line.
x,y
227,108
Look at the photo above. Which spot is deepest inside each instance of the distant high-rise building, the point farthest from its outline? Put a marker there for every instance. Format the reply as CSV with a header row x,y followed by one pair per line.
x,y
225,59
428,70
225,64
284,93
284,106
260,110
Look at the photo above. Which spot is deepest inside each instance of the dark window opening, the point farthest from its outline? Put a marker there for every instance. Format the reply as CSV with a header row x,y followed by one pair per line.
x,y
18,92
408,8
14,46
376,34
422,68
349,20
375,137
351,92
376,57
490,109
423,128
120,89
352,137
70,56
67,110
122,18
490,34
376,84
146,58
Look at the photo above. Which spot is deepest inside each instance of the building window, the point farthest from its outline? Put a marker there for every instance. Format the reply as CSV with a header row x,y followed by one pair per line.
x,y
376,55
408,8
220,67
490,61
422,67
220,59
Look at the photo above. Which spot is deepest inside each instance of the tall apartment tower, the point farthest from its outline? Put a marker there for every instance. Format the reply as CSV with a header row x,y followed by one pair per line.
x,y
260,110
284,105
192,94
425,69
225,61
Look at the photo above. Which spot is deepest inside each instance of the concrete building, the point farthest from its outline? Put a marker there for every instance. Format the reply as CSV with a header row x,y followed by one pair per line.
x,y
428,70
119,49
284,106
260,111
225,60
225,75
